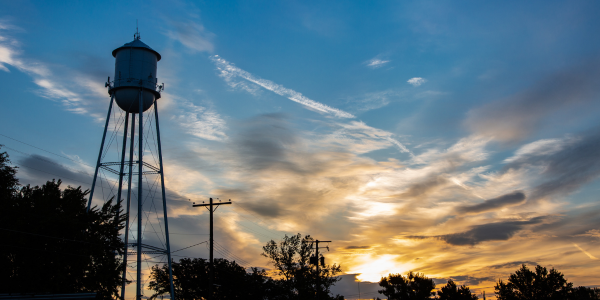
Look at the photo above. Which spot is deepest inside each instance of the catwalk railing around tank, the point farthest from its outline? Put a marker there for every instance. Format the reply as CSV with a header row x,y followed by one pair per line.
x,y
129,82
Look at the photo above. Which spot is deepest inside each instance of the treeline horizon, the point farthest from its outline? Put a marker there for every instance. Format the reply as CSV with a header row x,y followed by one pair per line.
x,y
191,281
56,244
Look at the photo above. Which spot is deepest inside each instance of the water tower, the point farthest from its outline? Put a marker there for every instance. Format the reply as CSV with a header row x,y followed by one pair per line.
x,y
135,89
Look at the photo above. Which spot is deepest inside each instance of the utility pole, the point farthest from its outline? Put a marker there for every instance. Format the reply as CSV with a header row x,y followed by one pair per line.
x,y
316,261
212,207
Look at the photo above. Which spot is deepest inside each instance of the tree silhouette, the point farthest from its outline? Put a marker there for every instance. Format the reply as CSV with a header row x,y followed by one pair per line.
x,y
451,292
51,245
291,258
525,284
191,279
415,286
8,182
586,293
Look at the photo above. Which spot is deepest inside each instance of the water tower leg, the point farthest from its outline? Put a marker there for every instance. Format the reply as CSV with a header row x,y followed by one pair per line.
x,y
140,183
112,98
164,197
120,189
128,205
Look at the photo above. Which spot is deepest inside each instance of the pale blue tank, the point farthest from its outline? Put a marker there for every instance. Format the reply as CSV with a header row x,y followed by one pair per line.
x,y
135,71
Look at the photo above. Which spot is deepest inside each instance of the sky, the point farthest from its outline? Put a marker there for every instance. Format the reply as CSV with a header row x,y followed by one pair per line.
x,y
459,139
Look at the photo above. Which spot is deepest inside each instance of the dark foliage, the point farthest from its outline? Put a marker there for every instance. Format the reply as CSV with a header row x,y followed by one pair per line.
x,y
526,284
415,286
191,279
585,293
8,182
451,292
299,279
51,245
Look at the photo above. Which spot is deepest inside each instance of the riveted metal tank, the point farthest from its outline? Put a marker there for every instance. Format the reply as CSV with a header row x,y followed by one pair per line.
x,y
135,72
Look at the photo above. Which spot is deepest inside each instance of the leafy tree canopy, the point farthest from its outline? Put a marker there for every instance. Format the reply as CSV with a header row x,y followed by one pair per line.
x,y
415,286
191,280
585,293
8,182
541,284
51,244
291,258
451,292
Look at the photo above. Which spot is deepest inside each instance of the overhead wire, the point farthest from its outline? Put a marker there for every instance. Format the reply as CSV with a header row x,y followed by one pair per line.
x,y
264,229
149,130
254,231
44,150
223,248
241,264
147,216
194,245
46,160
259,219
111,138
250,229
125,178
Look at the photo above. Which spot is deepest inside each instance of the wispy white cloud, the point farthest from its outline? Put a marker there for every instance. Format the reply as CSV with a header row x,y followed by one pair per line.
x,y
359,137
417,81
191,34
371,101
42,76
539,148
229,72
376,63
585,252
202,122
356,136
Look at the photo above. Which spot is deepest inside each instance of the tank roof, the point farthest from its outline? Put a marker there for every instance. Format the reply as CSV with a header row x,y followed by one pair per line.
x,y
135,44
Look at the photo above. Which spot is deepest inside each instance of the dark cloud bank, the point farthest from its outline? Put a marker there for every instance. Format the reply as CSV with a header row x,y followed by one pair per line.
x,y
514,118
566,170
499,231
41,169
513,198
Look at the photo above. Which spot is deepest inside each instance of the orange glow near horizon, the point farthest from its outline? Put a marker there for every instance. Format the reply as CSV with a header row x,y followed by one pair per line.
x,y
373,267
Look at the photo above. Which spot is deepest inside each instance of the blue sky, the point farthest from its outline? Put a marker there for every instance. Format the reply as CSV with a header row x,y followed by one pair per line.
x,y
452,138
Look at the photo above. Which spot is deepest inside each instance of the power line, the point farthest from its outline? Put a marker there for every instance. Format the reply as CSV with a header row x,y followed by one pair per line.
x,y
250,229
259,219
44,150
72,179
226,256
232,255
18,164
148,127
60,165
46,160
189,247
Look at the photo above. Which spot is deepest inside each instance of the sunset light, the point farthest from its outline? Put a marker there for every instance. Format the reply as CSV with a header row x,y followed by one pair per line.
x,y
328,143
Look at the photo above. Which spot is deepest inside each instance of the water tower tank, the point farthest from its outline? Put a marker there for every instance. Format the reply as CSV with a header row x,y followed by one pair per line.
x,y
135,72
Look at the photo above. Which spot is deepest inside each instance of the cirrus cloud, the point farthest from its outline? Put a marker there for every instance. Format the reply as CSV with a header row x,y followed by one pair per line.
x,y
416,81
